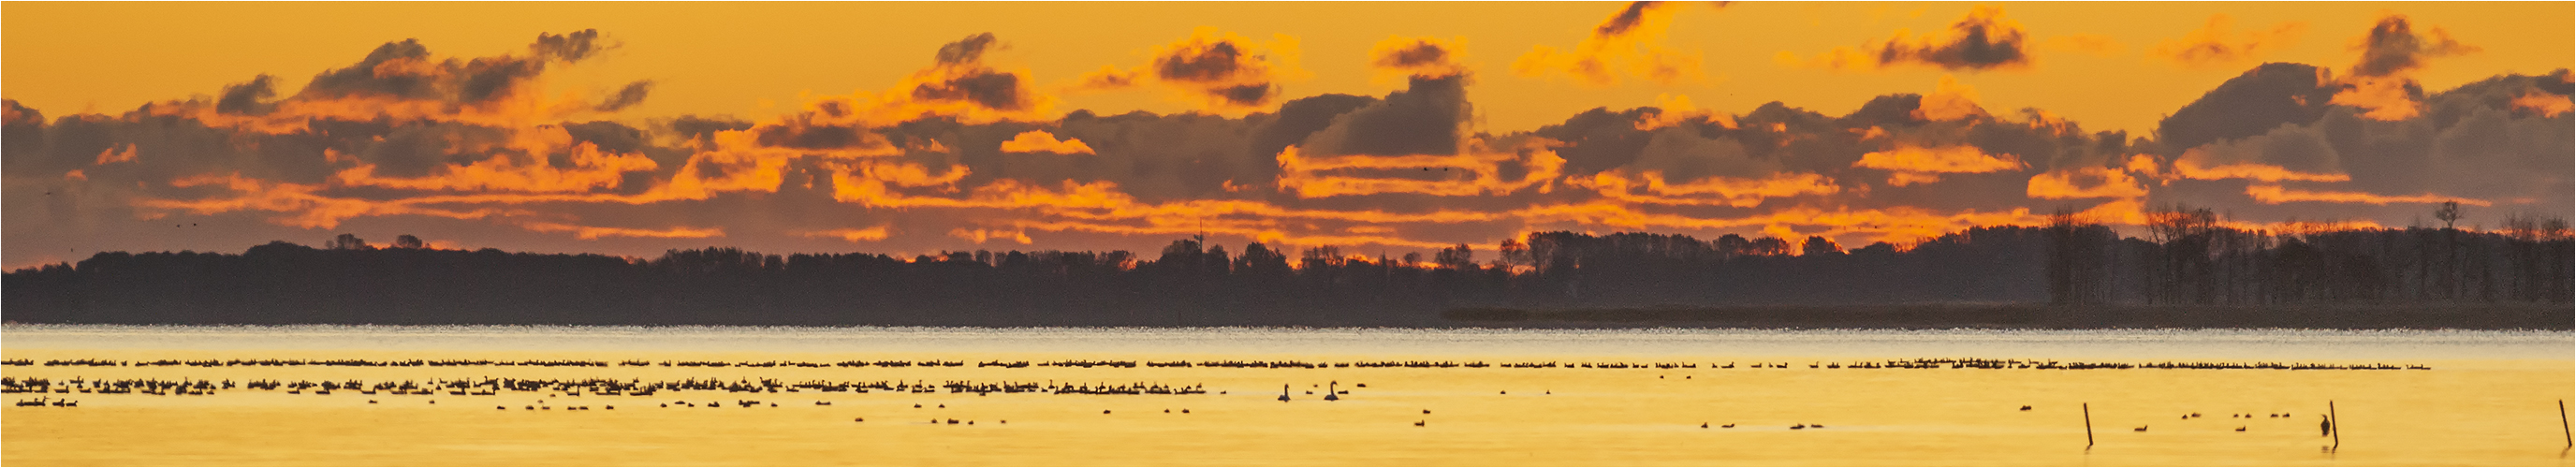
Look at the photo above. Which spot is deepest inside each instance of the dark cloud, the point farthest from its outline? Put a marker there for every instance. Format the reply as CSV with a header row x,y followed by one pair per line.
x,y
1420,53
487,79
2253,103
966,51
1222,68
2393,47
1302,117
568,47
991,89
1887,110
1627,18
405,69
1424,57
1210,62
630,95
248,97
1246,95
422,150
959,75
1425,118
372,76
2292,147
609,136
1598,140
802,134
1983,40
691,127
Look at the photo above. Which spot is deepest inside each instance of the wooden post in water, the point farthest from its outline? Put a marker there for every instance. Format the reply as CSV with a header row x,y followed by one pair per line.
x,y
2562,424
2338,424
2088,423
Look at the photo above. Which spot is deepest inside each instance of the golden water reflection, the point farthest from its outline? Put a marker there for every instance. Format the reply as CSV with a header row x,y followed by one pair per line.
x,y
2461,412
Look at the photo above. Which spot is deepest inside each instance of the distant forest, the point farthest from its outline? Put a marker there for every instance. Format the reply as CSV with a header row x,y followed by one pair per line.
x,y
2189,258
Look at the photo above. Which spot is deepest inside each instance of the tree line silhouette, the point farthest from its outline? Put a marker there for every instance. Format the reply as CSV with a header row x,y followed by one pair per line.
x,y
2189,257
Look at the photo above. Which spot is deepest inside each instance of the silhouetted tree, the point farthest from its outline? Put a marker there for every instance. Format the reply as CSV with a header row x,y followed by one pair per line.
x,y
2190,257
1458,257
1819,245
348,242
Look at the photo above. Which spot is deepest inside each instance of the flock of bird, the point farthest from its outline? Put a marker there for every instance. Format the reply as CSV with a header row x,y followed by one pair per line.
x,y
559,388
2191,416
1926,363
577,387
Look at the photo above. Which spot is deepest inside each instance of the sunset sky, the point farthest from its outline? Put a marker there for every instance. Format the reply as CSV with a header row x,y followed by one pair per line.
x,y
630,128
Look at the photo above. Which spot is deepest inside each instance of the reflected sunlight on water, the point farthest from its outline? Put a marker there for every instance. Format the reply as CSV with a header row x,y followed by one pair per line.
x,y
2488,399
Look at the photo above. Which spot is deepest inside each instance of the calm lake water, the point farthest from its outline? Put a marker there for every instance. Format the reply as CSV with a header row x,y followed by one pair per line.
x,y
2489,398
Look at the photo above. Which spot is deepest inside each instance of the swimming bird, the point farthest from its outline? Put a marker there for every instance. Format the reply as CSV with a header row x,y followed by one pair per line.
x,y
1283,392
1104,411
1703,425
1728,425
1330,394
1418,423
2240,428
1800,426
1426,411
2141,429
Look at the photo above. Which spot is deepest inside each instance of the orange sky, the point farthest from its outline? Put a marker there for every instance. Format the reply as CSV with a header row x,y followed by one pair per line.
x,y
2100,65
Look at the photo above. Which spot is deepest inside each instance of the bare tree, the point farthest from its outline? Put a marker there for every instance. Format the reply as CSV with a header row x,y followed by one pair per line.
x,y
2449,213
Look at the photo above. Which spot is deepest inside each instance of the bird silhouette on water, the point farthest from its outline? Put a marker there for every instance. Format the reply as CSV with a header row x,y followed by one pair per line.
x,y
2325,426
